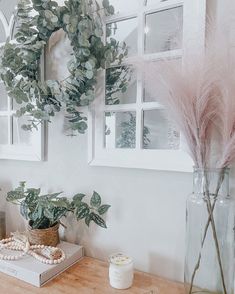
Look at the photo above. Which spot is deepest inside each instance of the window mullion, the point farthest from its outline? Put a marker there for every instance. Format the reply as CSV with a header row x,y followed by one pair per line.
x,y
139,98
9,121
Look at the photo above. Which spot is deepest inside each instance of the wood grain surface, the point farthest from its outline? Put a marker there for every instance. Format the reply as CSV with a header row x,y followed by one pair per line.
x,y
90,276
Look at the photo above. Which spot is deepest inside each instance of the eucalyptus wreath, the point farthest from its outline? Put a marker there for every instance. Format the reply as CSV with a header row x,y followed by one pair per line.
x,y
37,20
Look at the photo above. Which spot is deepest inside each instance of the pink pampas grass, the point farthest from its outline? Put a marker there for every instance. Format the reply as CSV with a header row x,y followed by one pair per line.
x,y
200,99
191,100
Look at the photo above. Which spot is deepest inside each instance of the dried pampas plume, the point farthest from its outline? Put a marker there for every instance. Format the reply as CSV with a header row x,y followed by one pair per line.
x,y
199,97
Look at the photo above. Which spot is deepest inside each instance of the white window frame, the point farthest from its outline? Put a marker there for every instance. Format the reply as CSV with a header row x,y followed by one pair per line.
x,y
194,24
35,151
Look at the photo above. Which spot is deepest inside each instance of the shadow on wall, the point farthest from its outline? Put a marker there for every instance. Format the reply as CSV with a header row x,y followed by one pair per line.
x,y
13,216
163,266
79,233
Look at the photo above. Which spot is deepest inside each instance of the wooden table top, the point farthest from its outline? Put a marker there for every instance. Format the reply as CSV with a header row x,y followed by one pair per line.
x,y
90,276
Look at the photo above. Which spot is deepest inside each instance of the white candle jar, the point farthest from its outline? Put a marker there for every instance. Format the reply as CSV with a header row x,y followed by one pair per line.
x,y
121,271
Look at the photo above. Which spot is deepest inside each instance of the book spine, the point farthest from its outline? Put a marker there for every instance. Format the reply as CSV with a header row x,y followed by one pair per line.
x,y
19,273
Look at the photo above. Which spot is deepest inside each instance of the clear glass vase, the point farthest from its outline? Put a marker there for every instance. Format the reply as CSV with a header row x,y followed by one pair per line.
x,y
209,259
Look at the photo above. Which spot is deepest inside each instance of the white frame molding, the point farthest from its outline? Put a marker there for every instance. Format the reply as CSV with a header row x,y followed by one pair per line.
x,y
34,151
194,28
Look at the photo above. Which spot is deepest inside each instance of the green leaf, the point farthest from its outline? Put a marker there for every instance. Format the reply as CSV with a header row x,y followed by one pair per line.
x,y
40,211
48,213
59,212
66,18
88,220
82,211
89,74
98,220
95,200
103,209
105,3
78,197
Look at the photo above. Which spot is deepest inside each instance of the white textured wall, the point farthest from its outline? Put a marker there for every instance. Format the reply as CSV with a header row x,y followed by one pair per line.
x,y
147,217
148,208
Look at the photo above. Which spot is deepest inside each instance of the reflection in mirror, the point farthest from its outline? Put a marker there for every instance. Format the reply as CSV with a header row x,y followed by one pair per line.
x,y
8,7
58,54
120,129
3,97
161,132
153,95
2,33
163,30
121,85
4,130
19,135
124,31
124,6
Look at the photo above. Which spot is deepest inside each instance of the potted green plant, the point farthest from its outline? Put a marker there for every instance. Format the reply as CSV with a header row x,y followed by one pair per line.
x,y
44,212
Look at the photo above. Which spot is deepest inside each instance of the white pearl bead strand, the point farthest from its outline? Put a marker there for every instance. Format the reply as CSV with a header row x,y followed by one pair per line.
x,y
11,244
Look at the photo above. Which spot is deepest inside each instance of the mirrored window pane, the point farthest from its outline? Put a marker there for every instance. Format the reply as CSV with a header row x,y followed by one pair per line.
x,y
121,85
8,8
3,97
2,33
158,131
58,55
121,6
4,129
120,129
163,30
124,31
19,135
157,92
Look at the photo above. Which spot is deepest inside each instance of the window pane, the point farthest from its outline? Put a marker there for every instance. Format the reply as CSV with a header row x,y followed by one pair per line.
x,y
120,129
121,6
158,91
124,31
2,33
158,131
3,97
58,55
8,8
4,130
163,30
19,135
121,85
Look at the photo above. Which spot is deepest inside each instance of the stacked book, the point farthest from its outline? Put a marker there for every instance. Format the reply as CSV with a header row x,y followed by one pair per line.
x,y
32,271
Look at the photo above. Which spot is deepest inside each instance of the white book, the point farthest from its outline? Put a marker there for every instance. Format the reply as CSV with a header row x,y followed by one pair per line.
x,y
34,272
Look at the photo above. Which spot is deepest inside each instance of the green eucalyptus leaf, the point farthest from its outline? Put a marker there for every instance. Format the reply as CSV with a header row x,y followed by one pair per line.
x,y
20,61
105,3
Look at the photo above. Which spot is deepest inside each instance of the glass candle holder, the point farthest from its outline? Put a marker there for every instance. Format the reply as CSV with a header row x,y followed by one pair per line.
x,y
121,271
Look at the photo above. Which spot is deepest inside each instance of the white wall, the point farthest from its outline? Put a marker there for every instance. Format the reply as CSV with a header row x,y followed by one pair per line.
x,y
148,208
147,217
